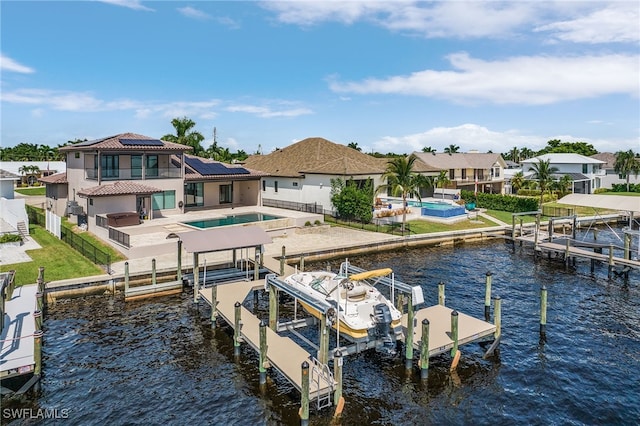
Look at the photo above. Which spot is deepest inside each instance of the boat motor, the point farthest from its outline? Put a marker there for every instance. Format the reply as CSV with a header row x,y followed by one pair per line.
x,y
384,333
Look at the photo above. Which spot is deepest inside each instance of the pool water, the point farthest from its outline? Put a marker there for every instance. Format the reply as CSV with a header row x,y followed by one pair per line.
x,y
437,209
231,220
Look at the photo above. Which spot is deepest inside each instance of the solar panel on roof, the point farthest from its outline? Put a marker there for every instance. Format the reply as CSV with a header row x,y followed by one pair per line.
x,y
142,142
207,169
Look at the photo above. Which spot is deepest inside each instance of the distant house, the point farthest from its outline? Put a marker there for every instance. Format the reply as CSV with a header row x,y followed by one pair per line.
x,y
470,171
611,176
29,172
144,176
300,175
586,173
13,216
7,183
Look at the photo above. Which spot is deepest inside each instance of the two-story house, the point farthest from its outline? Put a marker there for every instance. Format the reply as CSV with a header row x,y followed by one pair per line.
x,y
131,173
610,175
471,171
585,172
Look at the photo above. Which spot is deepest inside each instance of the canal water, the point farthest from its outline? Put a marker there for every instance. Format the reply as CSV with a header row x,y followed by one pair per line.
x,y
159,362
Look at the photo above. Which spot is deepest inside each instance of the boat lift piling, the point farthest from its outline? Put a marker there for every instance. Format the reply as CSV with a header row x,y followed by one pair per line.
x,y
487,297
543,313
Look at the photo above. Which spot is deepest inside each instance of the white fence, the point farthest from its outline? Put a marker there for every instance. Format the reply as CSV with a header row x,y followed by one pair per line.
x,y
53,223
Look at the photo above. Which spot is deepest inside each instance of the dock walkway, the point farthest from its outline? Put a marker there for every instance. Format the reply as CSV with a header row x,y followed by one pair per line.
x,y
17,356
283,353
580,252
470,329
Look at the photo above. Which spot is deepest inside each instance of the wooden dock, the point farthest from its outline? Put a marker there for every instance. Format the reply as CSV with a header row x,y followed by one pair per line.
x,y
470,329
17,356
587,254
283,354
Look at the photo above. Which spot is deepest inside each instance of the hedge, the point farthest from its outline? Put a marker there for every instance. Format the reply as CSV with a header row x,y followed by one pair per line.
x,y
507,203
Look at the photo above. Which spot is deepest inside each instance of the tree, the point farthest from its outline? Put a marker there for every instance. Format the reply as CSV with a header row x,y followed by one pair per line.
x,y
542,172
627,163
514,154
526,153
557,146
428,149
563,185
185,136
352,202
452,149
354,145
517,182
402,181
442,180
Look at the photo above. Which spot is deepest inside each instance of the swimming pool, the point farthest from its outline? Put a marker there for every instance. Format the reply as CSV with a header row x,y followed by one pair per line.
x,y
436,209
231,220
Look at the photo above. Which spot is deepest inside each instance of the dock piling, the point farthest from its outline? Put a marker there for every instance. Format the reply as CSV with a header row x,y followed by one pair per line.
x,y
284,253
37,352
179,267
273,308
304,403
543,312
263,353
126,277
37,317
487,297
196,277
323,349
408,361
153,271
424,350
611,264
454,332
214,303
236,331
302,263
441,297
337,375
497,317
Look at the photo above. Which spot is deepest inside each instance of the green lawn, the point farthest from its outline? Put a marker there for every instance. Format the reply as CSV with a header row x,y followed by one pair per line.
x,y
58,259
32,190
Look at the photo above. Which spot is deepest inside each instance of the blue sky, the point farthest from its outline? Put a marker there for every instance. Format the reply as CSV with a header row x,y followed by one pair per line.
x,y
391,76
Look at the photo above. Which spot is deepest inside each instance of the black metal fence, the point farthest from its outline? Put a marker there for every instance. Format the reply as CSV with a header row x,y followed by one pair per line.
x,y
119,237
89,250
393,228
291,205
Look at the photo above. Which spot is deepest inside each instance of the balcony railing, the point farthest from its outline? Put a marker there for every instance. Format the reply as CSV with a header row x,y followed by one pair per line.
x,y
134,174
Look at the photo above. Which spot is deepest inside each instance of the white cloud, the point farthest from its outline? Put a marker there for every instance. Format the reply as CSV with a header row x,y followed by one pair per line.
x,y
475,137
618,22
131,4
526,80
266,112
590,22
191,12
8,64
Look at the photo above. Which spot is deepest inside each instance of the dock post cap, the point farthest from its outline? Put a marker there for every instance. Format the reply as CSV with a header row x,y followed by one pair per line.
x,y
454,313
496,297
489,273
426,321
543,287
262,323
305,365
237,304
337,353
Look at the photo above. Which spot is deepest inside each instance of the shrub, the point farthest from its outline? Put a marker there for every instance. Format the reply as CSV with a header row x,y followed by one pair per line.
x,y
601,190
307,223
10,238
317,222
507,203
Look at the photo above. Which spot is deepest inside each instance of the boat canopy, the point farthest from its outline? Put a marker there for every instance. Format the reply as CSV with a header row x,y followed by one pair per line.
x,y
371,274
610,202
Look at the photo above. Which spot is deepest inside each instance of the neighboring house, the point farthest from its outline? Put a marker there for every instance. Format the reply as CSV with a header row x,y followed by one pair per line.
x,y
610,176
131,173
471,171
41,169
12,211
300,175
585,172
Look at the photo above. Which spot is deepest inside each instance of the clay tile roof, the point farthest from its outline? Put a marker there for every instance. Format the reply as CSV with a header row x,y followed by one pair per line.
x,y
608,157
316,155
114,143
459,160
56,178
118,188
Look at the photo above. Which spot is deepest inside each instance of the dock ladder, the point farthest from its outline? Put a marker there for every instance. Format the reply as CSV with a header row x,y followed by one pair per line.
x,y
323,380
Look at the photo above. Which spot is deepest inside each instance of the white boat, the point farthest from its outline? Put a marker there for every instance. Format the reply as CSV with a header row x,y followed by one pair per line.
x,y
364,313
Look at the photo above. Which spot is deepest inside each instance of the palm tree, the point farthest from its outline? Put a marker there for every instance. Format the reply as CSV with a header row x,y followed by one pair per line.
x,y
402,180
185,136
514,154
442,180
355,146
452,149
517,182
542,172
563,185
526,153
428,149
626,164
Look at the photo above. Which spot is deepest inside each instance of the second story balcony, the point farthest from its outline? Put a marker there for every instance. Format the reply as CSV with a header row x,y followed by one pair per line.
x,y
133,174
